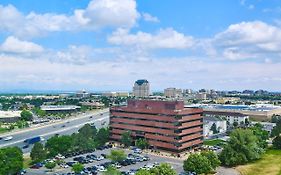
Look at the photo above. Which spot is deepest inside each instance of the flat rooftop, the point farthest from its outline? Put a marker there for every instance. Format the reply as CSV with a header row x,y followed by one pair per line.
x,y
59,107
9,114
257,107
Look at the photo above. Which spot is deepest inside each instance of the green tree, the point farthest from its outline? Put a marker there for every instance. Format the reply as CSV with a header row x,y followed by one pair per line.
x,y
81,143
235,124
241,148
163,169
117,155
11,160
88,131
126,138
58,145
111,171
276,130
142,143
102,136
143,172
77,168
261,134
197,163
38,153
277,142
50,165
212,158
39,112
26,115
214,128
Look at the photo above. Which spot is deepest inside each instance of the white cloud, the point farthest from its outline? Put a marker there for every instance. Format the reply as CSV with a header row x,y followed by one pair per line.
x,y
161,72
148,17
113,13
163,39
248,40
14,45
98,14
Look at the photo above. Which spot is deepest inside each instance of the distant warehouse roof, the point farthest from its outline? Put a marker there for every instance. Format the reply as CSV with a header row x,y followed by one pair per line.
x,y
9,116
59,107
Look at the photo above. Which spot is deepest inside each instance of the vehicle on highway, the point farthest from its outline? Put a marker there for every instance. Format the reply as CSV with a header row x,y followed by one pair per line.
x,y
34,140
8,138
63,126
25,146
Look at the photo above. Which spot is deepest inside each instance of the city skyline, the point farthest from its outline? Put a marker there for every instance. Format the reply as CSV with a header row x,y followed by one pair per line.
x,y
106,45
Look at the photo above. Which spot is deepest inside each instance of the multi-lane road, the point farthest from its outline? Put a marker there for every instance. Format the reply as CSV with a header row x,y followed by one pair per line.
x,y
64,127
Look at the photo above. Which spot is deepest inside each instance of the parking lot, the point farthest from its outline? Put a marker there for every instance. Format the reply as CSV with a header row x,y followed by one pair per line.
x,y
94,162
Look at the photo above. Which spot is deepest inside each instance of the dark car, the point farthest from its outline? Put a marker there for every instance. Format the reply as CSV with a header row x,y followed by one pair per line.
x,y
25,146
70,163
103,155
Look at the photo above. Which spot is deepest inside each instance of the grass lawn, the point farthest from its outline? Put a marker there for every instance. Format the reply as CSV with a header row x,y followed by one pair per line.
x,y
3,130
269,164
213,142
26,162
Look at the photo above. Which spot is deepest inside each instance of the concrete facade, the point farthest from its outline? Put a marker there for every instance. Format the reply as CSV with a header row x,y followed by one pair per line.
x,y
167,125
173,93
141,88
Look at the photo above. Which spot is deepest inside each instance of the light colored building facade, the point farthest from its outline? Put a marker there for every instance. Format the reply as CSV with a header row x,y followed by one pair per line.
x,y
201,96
115,94
141,88
173,93
209,121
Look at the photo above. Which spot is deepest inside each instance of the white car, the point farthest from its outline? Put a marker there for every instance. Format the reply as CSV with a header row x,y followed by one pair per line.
x,y
8,138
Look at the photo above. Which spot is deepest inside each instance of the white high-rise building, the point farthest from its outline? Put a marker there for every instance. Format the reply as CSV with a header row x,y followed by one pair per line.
x,y
141,88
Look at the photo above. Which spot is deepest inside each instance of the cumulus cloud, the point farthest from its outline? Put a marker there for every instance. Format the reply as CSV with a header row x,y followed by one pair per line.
x,y
163,39
248,40
148,17
14,45
98,14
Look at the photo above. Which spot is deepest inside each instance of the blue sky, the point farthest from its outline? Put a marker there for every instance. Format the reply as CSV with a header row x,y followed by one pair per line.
x,y
102,45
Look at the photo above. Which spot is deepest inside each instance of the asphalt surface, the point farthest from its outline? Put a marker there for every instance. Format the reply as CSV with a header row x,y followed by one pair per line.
x,y
63,127
175,163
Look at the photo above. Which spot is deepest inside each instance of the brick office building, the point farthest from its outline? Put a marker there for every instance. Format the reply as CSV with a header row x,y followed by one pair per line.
x,y
167,125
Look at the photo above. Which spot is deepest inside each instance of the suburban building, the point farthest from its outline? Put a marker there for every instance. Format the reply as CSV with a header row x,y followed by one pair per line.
x,y
9,116
210,122
167,125
201,96
260,112
82,94
115,94
173,93
60,108
141,88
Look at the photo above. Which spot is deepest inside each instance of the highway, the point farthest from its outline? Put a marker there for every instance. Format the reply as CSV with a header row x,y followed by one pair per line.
x,y
63,127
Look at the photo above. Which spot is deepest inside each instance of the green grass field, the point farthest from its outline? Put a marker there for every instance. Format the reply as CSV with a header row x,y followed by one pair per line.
x,y
3,130
213,142
269,164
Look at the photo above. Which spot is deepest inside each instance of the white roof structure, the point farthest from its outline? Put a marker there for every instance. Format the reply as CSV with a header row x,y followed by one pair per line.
x,y
9,114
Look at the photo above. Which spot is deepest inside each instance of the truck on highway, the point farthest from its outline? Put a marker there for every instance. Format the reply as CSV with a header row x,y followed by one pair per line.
x,y
34,140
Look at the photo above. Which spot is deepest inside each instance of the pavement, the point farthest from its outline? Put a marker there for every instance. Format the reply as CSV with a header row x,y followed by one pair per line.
x,y
176,163
63,127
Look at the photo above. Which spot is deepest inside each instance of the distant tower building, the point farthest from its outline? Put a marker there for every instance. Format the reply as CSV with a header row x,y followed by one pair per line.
x,y
141,88
173,93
